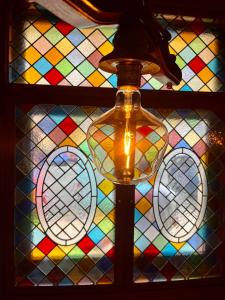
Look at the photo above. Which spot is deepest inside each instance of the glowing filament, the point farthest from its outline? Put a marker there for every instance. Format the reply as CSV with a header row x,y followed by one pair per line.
x,y
127,142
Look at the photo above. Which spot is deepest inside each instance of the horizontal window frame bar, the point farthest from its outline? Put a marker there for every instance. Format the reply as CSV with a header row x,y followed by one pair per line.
x,y
105,97
150,287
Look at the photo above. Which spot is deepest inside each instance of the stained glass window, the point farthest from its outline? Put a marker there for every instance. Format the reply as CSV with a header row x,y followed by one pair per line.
x,y
45,50
64,214
179,214
64,210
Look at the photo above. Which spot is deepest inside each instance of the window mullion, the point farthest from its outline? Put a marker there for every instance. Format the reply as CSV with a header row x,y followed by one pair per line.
x,y
124,235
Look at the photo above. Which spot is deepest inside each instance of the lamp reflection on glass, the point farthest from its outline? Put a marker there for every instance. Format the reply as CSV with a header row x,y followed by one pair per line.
x,y
127,143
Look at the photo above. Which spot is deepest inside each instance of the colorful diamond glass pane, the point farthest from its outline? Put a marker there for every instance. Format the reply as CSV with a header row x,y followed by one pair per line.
x,y
39,259
63,54
156,257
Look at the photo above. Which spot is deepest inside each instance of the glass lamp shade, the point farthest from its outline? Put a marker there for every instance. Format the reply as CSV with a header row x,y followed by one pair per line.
x,y
127,143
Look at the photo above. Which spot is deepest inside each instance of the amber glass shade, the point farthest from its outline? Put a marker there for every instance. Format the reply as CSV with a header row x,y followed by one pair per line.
x,y
127,143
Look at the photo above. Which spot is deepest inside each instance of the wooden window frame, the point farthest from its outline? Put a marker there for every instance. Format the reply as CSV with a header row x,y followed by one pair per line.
x,y
15,94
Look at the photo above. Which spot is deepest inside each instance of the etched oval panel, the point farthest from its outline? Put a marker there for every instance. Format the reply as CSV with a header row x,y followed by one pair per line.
x,y
66,195
180,195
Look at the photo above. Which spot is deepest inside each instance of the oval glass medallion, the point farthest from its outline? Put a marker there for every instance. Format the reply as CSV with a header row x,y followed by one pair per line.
x,y
180,195
66,195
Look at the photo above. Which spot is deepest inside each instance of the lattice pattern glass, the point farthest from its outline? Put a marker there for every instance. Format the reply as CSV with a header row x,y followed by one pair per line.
x,y
45,50
53,167
189,204
180,195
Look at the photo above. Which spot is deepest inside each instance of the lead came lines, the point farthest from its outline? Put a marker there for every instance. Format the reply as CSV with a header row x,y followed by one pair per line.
x,y
179,204
67,215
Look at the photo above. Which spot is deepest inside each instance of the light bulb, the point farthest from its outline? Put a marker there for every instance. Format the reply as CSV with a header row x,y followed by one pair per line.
x,y
127,143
